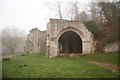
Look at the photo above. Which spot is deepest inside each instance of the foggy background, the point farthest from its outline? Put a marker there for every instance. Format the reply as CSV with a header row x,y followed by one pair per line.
x,y
27,14
24,15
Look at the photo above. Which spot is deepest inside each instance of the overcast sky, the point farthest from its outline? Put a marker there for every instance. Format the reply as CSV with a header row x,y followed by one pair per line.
x,y
27,14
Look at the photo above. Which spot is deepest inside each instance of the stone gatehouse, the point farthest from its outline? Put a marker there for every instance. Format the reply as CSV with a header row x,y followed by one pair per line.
x,y
66,36
62,36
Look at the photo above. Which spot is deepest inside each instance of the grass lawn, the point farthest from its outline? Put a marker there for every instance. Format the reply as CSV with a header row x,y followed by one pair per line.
x,y
39,66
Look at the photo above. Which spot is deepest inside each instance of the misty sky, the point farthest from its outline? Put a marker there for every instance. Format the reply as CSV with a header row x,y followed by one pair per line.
x,y
27,14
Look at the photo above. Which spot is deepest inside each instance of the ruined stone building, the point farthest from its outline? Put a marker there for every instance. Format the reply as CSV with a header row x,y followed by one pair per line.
x,y
36,41
66,36
62,36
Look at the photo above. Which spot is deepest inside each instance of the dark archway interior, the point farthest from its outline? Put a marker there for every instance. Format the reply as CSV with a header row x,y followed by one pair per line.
x,y
70,42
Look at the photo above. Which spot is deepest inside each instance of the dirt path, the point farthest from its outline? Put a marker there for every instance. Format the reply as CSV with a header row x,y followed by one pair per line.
x,y
114,68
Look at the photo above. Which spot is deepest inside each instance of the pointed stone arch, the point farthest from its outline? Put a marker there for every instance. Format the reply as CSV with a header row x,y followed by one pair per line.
x,y
70,45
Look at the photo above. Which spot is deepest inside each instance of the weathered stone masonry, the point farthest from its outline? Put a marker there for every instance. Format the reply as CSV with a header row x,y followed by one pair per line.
x,y
36,41
63,37
59,39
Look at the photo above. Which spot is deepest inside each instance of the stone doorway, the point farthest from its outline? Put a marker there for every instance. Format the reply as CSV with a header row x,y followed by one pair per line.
x,y
70,42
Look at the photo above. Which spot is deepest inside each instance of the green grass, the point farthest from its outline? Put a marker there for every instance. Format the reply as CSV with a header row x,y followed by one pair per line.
x,y
39,66
0,68
111,58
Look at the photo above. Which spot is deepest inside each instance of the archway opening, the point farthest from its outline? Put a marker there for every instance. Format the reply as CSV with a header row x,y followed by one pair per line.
x,y
70,42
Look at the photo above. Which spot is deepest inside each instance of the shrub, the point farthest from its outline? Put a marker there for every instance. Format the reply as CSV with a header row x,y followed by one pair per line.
x,y
92,26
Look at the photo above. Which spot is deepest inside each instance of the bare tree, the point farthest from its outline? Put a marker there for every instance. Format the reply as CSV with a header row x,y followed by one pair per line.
x,y
11,38
94,11
83,16
75,5
59,10
74,11
55,8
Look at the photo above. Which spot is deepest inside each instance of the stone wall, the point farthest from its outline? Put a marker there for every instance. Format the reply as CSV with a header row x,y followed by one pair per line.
x,y
42,39
56,27
113,47
48,41
36,41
